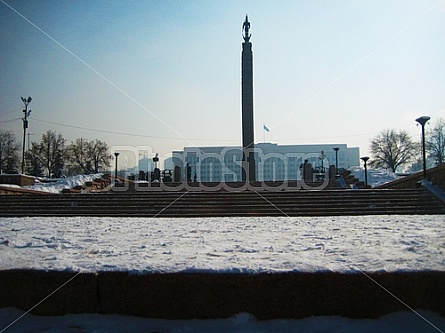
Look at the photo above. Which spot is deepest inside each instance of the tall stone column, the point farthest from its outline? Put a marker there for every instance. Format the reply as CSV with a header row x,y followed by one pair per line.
x,y
247,105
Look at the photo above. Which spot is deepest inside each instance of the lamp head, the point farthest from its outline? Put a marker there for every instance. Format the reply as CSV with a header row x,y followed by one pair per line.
x,y
26,100
116,154
423,120
336,149
364,158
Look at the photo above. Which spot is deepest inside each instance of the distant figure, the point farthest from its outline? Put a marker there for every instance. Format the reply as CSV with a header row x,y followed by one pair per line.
x,y
177,174
188,173
303,169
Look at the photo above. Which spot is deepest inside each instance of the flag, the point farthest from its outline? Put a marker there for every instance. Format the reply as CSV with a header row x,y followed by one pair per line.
x,y
265,128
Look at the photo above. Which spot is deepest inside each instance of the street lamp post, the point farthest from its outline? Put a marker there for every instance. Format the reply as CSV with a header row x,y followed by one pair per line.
x,y
422,121
115,168
365,159
26,112
336,159
156,171
29,140
156,160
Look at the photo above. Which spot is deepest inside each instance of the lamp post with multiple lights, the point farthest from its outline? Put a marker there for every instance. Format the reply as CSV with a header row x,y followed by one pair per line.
x,y
26,112
365,159
422,121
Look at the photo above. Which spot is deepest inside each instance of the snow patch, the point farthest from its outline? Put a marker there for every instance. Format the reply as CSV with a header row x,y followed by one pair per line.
x,y
376,177
58,185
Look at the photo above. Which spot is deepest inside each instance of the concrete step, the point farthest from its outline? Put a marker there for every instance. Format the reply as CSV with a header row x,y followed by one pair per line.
x,y
245,203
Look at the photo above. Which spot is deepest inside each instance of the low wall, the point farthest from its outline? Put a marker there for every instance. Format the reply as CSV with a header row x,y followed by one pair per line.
x,y
19,191
16,179
436,175
207,295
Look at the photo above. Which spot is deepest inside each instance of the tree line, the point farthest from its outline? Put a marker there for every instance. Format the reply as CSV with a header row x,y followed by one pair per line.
x,y
53,157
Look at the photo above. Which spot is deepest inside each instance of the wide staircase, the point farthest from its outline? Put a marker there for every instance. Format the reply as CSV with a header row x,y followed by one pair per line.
x,y
330,202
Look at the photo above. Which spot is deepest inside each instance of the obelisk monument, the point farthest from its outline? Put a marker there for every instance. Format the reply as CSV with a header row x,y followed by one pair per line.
x,y
247,106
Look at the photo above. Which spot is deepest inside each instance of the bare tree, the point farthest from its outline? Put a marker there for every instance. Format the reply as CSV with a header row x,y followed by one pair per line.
x,y
33,162
98,155
9,152
49,154
76,154
88,156
435,142
392,149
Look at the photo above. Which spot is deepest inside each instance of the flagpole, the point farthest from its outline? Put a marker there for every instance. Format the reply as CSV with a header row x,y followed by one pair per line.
x,y
264,134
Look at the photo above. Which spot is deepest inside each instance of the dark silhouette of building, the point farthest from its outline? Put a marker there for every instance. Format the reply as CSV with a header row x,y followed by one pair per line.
x,y
247,105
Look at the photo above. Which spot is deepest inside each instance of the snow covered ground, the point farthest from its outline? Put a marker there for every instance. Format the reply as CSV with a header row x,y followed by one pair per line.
x,y
375,176
224,245
57,185
406,322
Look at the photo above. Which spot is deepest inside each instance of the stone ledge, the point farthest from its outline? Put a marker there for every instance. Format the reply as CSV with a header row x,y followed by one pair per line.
x,y
23,289
208,295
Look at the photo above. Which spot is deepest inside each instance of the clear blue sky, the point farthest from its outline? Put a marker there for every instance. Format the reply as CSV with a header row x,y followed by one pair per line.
x,y
168,72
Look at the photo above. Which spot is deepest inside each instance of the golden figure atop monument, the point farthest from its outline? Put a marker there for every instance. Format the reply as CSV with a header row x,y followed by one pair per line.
x,y
246,27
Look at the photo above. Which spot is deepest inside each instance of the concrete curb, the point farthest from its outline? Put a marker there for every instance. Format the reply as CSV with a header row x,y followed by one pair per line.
x,y
211,295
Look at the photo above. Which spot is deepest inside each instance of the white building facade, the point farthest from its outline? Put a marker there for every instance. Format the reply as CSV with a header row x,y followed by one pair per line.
x,y
273,162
